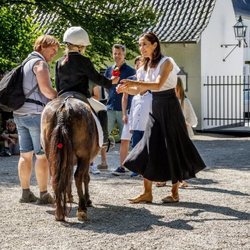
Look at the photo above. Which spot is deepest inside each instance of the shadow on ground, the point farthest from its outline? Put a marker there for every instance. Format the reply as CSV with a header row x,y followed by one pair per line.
x,y
120,220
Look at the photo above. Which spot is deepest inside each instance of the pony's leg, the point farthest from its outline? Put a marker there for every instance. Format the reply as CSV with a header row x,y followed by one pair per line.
x,y
69,197
82,166
86,179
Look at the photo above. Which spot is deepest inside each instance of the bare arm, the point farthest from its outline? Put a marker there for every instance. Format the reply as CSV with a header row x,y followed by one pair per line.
x,y
43,78
124,107
96,92
134,87
12,138
4,135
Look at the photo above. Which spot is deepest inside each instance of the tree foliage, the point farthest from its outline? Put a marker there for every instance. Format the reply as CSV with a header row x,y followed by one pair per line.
x,y
106,21
17,36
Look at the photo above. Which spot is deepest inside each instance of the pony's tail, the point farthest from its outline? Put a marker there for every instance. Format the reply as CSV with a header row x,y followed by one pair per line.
x,y
61,160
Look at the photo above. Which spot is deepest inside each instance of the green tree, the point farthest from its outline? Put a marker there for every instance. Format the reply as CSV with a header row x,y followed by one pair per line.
x,y
17,36
106,21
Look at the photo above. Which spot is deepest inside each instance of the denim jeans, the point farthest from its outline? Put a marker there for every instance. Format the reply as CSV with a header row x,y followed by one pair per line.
x,y
136,137
29,132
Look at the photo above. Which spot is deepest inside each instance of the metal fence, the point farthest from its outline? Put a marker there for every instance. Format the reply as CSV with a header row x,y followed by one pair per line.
x,y
226,101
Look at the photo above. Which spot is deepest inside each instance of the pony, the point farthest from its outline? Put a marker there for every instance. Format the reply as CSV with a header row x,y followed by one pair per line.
x,y
69,137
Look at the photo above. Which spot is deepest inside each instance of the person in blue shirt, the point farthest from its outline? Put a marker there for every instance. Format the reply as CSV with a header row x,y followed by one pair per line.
x,y
118,104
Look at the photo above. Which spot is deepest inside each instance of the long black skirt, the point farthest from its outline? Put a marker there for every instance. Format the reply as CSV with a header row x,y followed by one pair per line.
x,y
165,152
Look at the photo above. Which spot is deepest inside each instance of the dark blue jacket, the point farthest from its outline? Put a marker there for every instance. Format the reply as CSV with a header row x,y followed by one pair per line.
x,y
114,101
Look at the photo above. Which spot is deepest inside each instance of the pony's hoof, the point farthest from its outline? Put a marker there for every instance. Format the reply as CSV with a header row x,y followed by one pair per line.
x,y
89,203
59,217
82,216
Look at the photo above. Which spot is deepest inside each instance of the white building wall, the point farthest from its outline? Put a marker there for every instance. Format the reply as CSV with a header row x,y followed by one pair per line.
x,y
246,59
187,56
246,21
219,31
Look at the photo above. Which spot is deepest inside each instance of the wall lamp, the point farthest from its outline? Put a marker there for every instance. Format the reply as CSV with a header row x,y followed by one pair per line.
x,y
240,34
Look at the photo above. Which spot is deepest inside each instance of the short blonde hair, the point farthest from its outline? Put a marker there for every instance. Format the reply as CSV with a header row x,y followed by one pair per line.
x,y
73,47
45,41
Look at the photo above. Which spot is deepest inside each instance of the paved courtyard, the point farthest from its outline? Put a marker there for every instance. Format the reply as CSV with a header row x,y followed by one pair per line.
x,y
213,212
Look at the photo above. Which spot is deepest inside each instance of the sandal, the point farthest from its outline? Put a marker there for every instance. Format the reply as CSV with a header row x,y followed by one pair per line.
x,y
183,184
143,198
170,199
161,184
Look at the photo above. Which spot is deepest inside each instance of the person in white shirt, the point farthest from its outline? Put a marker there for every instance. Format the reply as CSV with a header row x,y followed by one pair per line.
x,y
126,135
141,107
187,108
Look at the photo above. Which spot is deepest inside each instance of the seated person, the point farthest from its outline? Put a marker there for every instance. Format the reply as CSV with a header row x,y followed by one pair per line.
x,y
74,71
10,138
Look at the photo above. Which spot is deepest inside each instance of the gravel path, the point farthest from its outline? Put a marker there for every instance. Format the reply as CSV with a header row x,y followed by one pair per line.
x,y
214,211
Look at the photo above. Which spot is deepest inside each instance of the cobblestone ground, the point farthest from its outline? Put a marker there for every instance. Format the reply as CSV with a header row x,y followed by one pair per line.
x,y
213,213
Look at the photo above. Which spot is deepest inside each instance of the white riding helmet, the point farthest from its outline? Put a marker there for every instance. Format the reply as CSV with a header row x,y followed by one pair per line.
x,y
77,36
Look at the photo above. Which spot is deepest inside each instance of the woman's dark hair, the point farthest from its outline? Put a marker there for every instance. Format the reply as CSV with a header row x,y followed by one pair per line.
x,y
157,55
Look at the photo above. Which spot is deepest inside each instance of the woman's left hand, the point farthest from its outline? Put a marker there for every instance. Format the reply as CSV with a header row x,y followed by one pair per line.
x,y
127,82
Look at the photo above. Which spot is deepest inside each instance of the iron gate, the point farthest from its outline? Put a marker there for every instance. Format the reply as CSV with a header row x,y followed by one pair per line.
x,y
227,101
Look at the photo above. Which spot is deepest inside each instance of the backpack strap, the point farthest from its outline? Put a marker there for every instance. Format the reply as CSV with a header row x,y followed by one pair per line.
x,y
30,58
35,101
36,86
31,91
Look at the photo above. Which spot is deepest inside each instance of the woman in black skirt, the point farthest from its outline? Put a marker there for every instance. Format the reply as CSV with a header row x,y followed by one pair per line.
x,y
165,152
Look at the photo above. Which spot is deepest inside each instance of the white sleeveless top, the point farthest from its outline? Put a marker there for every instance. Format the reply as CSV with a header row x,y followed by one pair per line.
x,y
171,81
140,74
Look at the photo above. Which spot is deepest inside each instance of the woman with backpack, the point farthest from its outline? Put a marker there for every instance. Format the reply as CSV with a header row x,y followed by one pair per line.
x,y
36,77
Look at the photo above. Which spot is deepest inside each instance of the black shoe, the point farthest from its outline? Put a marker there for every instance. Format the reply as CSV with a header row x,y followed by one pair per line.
x,y
5,152
119,171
